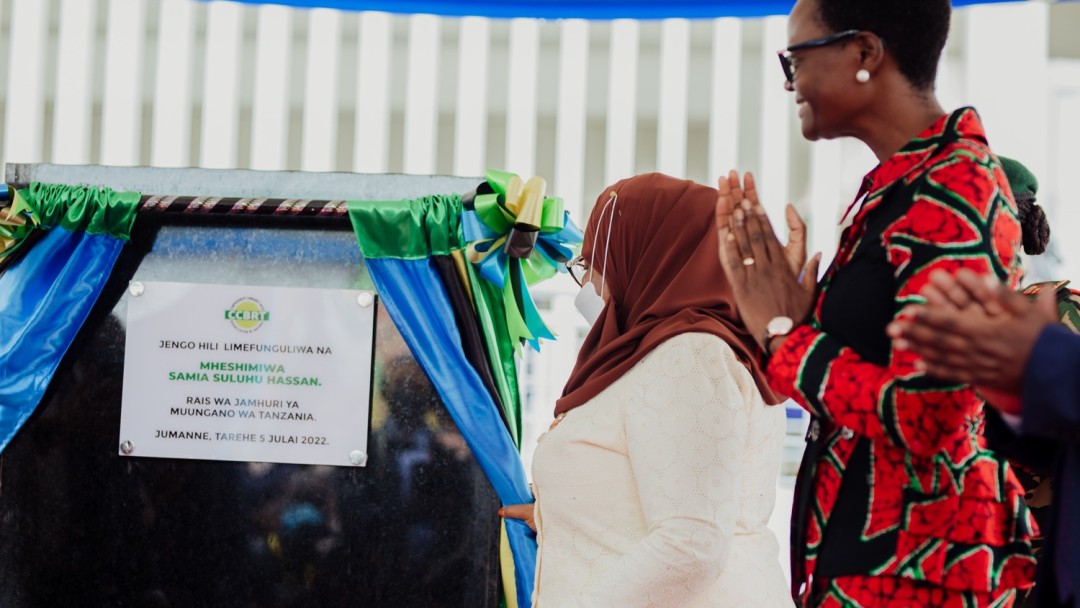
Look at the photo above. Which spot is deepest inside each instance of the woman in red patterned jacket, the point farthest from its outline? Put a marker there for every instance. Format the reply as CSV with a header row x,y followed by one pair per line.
x,y
898,502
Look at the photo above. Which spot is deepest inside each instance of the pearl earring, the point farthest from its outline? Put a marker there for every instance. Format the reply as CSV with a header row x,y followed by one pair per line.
x,y
862,76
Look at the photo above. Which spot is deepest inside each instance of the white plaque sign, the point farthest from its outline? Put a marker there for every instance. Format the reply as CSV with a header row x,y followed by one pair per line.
x,y
261,374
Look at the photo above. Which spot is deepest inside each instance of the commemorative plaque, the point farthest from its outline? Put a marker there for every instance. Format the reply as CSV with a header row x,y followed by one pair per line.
x,y
243,373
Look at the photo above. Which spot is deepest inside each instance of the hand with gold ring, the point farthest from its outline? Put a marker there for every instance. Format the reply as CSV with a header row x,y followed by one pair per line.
x,y
795,249
769,279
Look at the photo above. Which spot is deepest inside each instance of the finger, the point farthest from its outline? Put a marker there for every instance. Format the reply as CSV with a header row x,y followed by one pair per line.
x,y
725,203
928,342
904,321
909,311
736,187
522,512
1018,305
897,330
982,289
942,350
963,367
947,350
763,241
809,276
905,333
939,319
946,283
937,298
796,245
742,237
730,258
981,286
750,192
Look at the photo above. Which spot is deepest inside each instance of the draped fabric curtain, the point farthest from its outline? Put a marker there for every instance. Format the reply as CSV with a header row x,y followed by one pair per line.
x,y
454,322
569,9
451,323
47,293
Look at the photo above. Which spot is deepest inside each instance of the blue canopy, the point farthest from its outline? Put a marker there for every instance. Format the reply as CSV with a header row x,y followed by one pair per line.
x,y
565,9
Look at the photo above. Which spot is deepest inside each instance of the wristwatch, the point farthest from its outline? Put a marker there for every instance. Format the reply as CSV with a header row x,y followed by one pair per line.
x,y
777,326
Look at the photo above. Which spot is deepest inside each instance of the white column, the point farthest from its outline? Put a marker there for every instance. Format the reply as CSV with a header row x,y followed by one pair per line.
x,y
421,105
319,147
777,107
72,121
470,130
1059,190
570,119
521,97
170,144
621,135
726,76
1011,38
26,84
836,171
122,103
270,102
221,100
951,86
825,198
371,147
674,79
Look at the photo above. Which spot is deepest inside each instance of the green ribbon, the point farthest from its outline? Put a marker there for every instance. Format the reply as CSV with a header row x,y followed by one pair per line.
x,y
75,208
408,229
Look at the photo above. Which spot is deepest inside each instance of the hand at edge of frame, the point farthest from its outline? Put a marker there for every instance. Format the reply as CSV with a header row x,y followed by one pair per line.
x,y
975,331
525,513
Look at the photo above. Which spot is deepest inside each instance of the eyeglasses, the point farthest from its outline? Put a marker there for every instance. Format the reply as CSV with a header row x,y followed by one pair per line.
x,y
577,268
785,55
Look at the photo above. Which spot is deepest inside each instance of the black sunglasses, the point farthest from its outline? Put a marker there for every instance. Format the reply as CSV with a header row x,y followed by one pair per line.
x,y
785,55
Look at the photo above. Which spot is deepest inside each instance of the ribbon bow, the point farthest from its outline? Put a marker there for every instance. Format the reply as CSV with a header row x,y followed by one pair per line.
x,y
517,237
17,221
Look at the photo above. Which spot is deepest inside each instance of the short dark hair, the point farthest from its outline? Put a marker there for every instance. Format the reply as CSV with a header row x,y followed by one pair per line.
x,y
914,31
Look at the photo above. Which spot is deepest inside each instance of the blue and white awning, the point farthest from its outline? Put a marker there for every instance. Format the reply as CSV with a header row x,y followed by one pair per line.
x,y
567,9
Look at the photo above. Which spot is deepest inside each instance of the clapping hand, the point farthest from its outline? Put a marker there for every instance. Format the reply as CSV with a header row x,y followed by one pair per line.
x,y
769,279
974,330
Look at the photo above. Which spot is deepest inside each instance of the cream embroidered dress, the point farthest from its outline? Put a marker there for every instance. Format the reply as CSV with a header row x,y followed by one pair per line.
x,y
657,492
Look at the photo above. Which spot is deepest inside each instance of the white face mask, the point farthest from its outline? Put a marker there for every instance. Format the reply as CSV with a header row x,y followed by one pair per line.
x,y
589,303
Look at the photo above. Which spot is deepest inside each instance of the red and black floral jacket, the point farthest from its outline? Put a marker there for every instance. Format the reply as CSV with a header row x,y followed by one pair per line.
x,y
902,484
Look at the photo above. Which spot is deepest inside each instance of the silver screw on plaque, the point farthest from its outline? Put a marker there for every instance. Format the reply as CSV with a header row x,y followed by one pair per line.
x,y
357,457
136,288
365,299
127,447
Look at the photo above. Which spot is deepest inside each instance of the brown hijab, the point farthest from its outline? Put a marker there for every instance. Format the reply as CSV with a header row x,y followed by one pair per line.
x,y
665,279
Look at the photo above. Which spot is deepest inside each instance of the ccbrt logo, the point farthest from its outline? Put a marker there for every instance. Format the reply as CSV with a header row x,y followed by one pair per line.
x,y
247,314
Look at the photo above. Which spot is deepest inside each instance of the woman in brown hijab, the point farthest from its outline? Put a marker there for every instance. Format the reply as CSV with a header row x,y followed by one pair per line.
x,y
655,484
